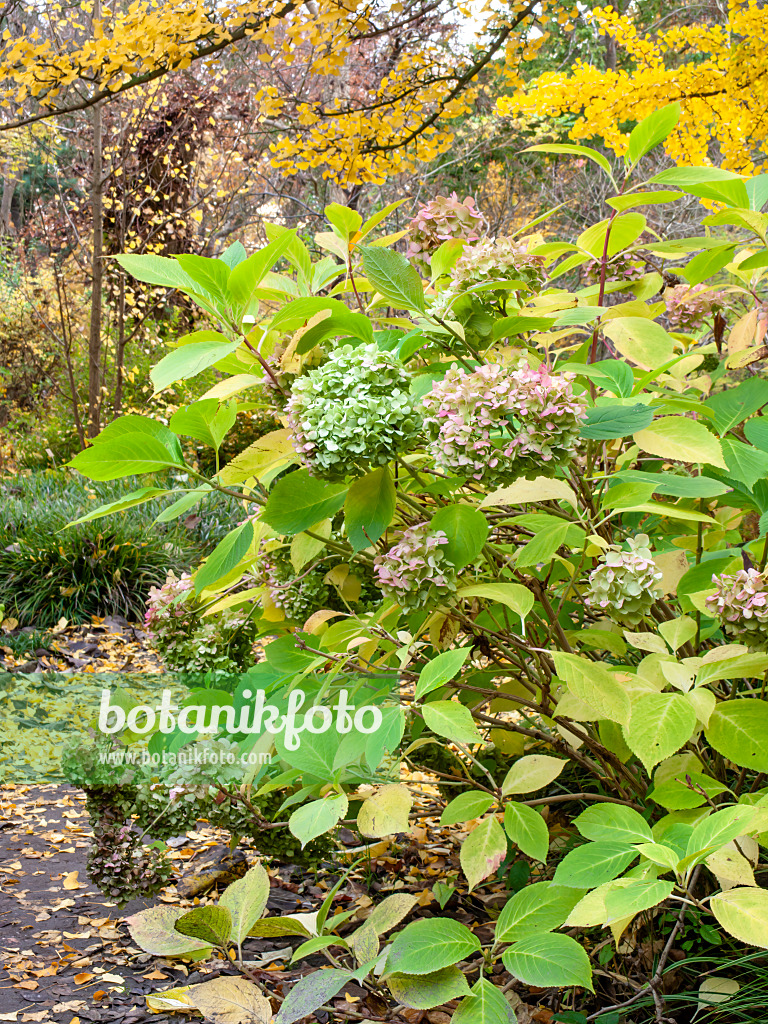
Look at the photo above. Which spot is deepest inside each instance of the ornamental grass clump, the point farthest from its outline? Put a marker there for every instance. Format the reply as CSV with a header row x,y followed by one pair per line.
x,y
497,424
625,585
353,413
415,571
741,603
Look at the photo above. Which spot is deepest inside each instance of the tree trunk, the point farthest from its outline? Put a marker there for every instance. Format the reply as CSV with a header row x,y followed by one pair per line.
x,y
7,227
97,276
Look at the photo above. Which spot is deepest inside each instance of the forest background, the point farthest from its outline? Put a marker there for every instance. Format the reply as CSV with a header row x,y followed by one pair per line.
x,y
173,128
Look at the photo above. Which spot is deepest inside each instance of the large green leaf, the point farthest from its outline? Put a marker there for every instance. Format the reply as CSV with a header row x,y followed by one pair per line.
x,y
612,421
467,806
158,270
744,462
369,507
317,817
311,992
484,1005
188,360
537,908
440,669
393,277
225,556
630,896
245,278
466,529
677,486
423,991
592,864
211,924
132,423
246,899
153,930
719,828
613,822
206,421
642,342
429,945
594,685
676,437
483,851
298,501
513,595
452,720
651,131
738,729
743,912
525,826
548,961
127,501
532,772
659,725
125,456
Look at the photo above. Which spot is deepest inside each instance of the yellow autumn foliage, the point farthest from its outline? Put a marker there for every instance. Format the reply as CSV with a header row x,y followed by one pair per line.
x,y
718,73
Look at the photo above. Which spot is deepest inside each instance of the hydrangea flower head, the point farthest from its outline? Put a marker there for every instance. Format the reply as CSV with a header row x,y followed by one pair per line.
x,y
442,218
626,584
687,308
415,571
352,413
495,424
741,602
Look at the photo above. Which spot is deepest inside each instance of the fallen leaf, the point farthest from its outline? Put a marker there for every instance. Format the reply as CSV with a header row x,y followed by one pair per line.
x,y
71,882
81,979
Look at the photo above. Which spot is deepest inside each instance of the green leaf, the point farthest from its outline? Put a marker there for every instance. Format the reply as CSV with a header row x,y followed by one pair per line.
x,y
428,990
158,270
206,421
211,924
526,827
393,277
642,342
624,230
153,930
465,807
630,896
738,729
234,254
452,720
188,360
224,557
611,421
483,851
613,822
594,685
734,405
632,199
346,220
590,154
311,992
550,533
386,812
706,264
593,864
369,508
390,911
539,907
549,961
651,131
246,900
707,183
720,828
277,927
125,456
513,595
135,424
439,670
210,274
675,437
298,501
466,529
127,501
425,946
743,912
317,817
744,462
660,724
245,278
532,772
677,486
675,795
484,1005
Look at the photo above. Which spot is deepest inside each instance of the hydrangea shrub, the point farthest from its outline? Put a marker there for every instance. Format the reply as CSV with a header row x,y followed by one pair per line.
x,y
539,489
